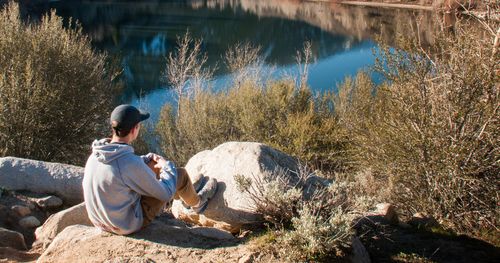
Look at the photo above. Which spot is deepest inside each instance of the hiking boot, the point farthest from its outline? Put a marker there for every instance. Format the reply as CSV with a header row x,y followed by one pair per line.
x,y
207,191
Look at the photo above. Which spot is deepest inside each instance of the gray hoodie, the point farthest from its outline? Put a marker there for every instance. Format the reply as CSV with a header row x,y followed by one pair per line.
x,y
114,181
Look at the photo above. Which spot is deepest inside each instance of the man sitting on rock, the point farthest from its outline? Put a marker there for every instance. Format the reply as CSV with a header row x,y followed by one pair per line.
x,y
121,190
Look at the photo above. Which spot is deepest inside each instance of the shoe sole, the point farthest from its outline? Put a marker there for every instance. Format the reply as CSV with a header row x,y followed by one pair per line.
x,y
209,189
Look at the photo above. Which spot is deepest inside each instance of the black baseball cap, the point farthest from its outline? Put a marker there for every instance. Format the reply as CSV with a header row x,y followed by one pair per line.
x,y
125,117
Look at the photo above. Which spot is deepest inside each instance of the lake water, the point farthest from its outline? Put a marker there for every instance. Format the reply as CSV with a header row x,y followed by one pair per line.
x,y
141,34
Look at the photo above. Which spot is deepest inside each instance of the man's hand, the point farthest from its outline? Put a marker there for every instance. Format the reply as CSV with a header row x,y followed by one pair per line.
x,y
151,166
160,161
163,169
155,162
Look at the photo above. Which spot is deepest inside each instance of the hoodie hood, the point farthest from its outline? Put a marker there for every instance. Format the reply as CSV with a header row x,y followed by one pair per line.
x,y
106,152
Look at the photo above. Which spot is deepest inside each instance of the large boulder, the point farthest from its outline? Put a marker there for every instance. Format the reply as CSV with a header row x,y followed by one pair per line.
x,y
13,239
62,180
56,223
230,208
167,240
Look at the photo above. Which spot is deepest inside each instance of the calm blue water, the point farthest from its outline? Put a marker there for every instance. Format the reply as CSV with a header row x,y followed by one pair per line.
x,y
141,34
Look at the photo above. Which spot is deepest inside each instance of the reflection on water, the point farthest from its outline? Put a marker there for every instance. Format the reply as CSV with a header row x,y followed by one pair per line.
x,y
142,33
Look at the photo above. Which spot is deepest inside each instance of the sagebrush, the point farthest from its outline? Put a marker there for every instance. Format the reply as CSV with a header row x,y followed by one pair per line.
x,y
312,217
55,90
431,132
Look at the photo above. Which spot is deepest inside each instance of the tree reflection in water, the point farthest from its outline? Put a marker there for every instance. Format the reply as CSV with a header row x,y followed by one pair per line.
x,y
142,33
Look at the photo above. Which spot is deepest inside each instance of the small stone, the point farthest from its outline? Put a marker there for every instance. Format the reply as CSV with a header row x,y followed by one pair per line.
x,y
49,202
359,252
423,220
244,233
248,258
31,205
388,211
13,239
29,222
404,225
22,211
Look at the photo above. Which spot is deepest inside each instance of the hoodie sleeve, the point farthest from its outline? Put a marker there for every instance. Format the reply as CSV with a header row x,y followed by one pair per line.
x,y
137,175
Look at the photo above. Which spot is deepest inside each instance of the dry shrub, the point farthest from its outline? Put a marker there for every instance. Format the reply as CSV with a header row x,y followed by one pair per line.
x,y
272,196
185,71
322,228
317,238
278,113
312,216
291,120
432,132
245,62
55,90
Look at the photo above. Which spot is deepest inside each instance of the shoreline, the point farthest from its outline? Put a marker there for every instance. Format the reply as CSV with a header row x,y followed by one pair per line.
x,y
377,4
479,13
388,5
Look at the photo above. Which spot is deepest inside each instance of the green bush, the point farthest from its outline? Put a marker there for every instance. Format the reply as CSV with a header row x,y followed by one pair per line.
x,y
55,90
431,133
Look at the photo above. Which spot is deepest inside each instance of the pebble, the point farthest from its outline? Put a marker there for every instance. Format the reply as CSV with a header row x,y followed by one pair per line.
x,y
31,205
246,259
423,220
49,202
388,211
22,211
29,222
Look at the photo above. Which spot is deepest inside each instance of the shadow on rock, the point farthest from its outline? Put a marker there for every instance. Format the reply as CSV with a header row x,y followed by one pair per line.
x,y
173,232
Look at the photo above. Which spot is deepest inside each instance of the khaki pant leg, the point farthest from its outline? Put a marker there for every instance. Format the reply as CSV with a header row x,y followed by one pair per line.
x,y
151,207
185,188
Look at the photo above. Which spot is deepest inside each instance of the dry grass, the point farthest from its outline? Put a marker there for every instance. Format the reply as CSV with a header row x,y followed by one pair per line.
x,y
55,90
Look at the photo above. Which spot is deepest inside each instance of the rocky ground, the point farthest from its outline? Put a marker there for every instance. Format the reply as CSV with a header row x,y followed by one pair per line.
x,y
40,227
165,240
170,240
23,212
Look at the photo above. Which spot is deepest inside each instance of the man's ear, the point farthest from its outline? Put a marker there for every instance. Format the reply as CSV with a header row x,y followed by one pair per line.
x,y
136,127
